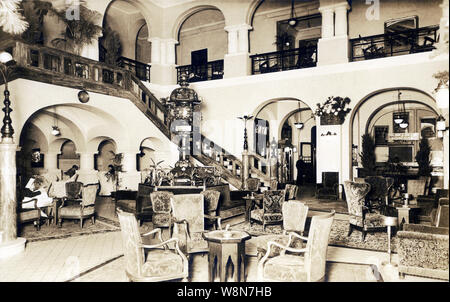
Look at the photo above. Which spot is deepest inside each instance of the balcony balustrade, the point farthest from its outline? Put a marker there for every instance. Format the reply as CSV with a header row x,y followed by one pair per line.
x,y
394,44
210,71
140,70
297,58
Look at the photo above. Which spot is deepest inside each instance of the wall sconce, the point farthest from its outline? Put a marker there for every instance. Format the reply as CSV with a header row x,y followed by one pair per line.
x,y
56,131
83,96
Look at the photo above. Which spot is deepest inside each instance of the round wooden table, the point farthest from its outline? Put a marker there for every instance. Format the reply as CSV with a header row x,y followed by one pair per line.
x,y
224,246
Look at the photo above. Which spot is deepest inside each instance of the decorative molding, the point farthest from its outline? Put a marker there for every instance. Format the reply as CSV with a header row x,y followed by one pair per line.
x,y
202,28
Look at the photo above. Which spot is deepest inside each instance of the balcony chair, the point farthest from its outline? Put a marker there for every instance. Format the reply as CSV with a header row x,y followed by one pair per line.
x,y
294,220
211,199
291,191
373,51
330,186
162,209
82,209
271,211
189,222
159,263
359,216
307,57
378,196
427,44
265,67
298,268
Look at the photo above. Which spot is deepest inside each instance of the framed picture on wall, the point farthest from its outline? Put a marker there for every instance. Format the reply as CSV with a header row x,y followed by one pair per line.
x,y
428,127
37,158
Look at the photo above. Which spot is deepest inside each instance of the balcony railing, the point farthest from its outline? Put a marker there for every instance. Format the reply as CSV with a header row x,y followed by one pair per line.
x,y
141,70
210,71
284,60
394,44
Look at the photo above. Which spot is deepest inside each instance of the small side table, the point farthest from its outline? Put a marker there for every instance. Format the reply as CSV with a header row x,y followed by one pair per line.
x,y
249,202
389,222
224,245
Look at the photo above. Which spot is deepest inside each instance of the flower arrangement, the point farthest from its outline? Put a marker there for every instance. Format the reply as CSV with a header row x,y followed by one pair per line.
x,y
333,110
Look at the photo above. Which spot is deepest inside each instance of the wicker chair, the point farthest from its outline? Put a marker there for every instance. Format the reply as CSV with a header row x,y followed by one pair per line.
x,y
83,208
271,211
299,268
359,216
159,263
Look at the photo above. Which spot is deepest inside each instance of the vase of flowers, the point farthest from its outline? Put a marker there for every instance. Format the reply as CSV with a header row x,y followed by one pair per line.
x,y
333,111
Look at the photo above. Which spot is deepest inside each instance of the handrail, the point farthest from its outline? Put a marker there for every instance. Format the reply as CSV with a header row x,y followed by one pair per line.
x,y
395,43
210,71
141,70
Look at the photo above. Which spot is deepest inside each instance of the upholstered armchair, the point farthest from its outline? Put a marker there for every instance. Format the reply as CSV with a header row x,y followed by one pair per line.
x,y
253,184
73,190
309,266
423,251
159,263
27,215
294,220
162,208
378,196
271,211
189,222
83,208
330,186
211,199
359,216
291,191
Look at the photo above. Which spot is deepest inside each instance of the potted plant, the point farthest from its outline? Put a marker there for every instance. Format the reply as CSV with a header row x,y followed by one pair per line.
x,y
368,158
333,111
423,158
114,169
78,33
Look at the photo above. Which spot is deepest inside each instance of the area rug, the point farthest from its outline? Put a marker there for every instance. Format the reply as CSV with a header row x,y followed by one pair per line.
x,y
374,241
68,229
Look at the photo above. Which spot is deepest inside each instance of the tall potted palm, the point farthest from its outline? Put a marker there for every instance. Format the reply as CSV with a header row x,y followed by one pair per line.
x,y
368,158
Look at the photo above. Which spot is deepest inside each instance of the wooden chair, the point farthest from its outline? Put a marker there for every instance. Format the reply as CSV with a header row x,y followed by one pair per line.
x,y
27,215
159,263
271,211
211,198
82,209
299,268
189,222
359,216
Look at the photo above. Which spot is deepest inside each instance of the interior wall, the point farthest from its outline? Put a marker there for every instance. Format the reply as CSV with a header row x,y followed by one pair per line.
x,y
428,11
105,157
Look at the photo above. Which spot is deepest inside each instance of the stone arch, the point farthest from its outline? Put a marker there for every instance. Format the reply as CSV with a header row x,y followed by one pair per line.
x,y
252,10
371,95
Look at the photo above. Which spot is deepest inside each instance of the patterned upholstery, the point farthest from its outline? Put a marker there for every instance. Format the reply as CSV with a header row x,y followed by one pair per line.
x,y
253,184
378,195
160,264
311,266
423,251
161,208
81,211
291,192
189,223
271,211
211,198
330,183
358,213
294,216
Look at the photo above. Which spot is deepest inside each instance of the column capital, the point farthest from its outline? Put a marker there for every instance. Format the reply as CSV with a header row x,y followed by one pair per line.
x,y
170,40
326,9
236,27
154,39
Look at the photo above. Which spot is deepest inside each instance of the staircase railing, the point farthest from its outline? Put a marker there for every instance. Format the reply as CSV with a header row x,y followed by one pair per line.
x,y
141,70
260,165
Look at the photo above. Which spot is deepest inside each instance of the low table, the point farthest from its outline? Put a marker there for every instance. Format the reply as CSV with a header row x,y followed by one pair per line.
x,y
224,245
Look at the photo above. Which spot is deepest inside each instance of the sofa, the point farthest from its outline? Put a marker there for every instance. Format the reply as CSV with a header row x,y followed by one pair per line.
x,y
423,251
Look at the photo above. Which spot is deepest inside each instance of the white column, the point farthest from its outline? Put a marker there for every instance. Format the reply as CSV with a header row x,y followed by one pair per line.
x,y
130,178
232,39
51,160
341,20
171,53
86,161
327,22
243,38
129,162
156,50
163,47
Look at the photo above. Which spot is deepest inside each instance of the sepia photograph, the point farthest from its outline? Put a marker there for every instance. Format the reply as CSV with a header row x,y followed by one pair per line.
x,y
210,142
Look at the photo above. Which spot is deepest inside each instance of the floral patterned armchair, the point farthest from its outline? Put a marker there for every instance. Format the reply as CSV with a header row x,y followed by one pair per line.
x,y
359,216
291,191
307,267
159,263
189,222
162,208
271,211
83,210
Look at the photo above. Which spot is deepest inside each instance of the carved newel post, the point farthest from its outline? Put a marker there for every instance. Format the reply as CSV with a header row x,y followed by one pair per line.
x,y
245,159
9,243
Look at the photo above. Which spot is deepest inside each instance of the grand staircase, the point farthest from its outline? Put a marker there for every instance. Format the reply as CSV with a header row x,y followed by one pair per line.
x,y
56,67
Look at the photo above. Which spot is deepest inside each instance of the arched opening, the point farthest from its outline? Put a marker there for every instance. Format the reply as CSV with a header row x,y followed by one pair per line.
x,y
125,39
68,157
396,145
203,43
291,124
105,155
